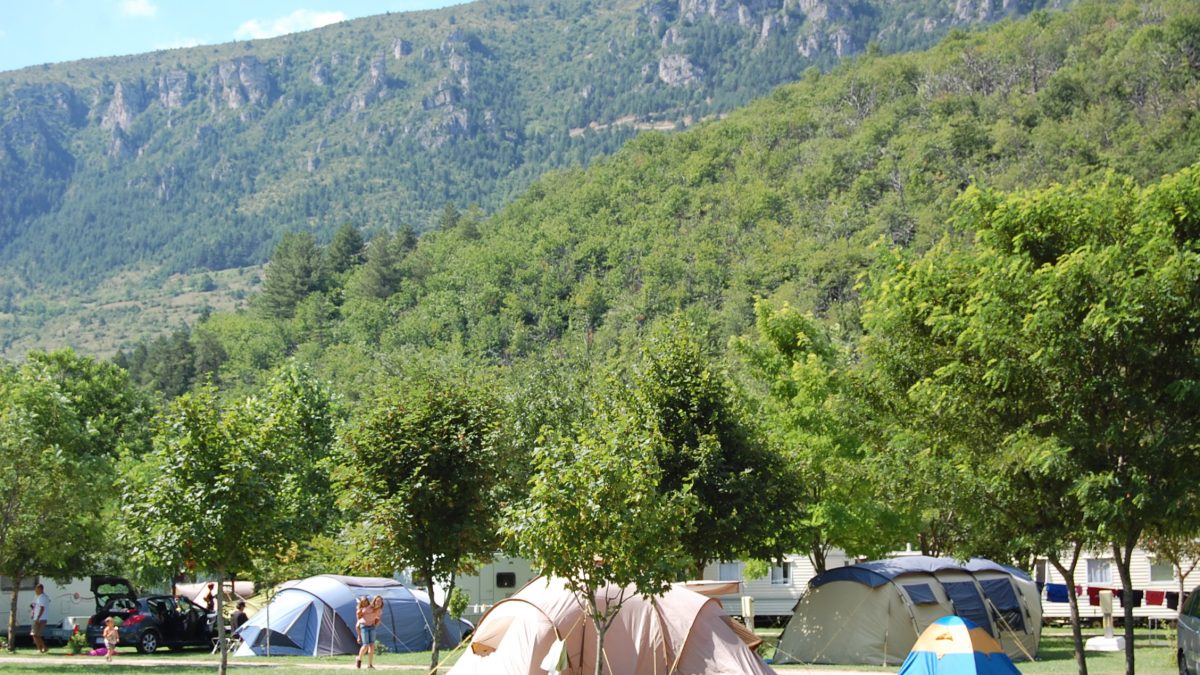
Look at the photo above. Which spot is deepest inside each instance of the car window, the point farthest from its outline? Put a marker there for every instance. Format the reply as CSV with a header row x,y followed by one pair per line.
x,y
185,605
157,605
1193,599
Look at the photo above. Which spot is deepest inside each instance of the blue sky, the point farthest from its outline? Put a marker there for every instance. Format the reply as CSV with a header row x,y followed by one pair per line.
x,y
33,32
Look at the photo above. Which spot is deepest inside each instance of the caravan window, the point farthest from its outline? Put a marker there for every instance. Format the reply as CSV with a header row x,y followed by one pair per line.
x,y
27,584
781,574
1161,571
728,571
506,579
1099,571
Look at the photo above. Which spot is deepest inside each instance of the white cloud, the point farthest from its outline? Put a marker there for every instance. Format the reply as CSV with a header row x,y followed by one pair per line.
x,y
180,43
143,8
301,19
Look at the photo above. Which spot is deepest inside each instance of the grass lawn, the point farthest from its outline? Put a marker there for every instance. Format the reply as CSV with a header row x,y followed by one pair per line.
x,y
1155,656
200,661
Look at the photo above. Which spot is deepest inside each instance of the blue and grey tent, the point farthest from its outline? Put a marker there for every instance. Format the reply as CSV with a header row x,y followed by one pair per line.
x,y
873,613
316,616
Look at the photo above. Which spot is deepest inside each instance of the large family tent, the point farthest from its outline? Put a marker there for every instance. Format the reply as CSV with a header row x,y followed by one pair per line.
x,y
543,628
953,645
873,613
316,616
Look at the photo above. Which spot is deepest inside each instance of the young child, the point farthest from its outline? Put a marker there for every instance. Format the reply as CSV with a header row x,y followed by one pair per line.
x,y
111,637
364,605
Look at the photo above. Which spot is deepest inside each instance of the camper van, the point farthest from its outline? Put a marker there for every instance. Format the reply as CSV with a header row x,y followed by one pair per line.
x,y
70,605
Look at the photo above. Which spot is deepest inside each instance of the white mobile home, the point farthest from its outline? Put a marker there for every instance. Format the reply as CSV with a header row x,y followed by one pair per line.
x,y
70,604
777,593
1155,578
495,581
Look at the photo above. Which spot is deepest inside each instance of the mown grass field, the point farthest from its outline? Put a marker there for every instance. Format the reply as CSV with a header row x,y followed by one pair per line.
x,y
1155,656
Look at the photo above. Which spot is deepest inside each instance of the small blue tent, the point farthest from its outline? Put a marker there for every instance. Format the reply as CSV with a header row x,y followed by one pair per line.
x,y
316,616
953,645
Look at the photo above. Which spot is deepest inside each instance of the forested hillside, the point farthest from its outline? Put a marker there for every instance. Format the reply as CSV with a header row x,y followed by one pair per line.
x,y
791,199
195,160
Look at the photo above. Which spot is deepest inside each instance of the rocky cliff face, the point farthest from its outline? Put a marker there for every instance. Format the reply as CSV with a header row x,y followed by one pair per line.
x,y
175,89
242,82
128,99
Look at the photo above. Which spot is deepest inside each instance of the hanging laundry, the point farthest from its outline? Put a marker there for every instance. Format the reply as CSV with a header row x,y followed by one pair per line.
x,y
1057,593
1172,600
1093,593
1155,597
1135,598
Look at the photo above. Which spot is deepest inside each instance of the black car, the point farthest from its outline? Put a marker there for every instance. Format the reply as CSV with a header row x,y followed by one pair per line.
x,y
148,622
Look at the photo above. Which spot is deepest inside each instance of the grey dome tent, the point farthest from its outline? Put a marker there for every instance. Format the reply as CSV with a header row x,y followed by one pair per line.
x,y
316,616
873,613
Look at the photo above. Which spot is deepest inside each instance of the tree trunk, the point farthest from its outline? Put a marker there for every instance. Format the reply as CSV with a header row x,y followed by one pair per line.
x,y
816,555
1123,556
439,611
601,629
1179,607
12,613
1068,574
221,641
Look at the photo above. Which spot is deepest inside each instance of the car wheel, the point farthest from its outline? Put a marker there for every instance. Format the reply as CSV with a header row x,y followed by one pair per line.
x,y
148,642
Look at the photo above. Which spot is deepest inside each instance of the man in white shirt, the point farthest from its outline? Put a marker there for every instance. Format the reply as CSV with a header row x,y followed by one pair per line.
x,y
38,612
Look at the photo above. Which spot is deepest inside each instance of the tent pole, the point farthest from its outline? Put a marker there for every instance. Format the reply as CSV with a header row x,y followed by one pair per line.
x,y
1009,628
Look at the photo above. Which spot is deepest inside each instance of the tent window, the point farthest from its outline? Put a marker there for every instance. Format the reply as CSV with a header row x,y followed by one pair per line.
x,y
1099,571
1004,599
967,603
506,579
781,573
920,594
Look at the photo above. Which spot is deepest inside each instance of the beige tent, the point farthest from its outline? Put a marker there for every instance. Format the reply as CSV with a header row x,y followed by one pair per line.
x,y
682,632
198,592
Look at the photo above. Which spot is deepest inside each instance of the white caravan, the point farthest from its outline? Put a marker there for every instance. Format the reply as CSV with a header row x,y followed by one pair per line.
x,y
70,605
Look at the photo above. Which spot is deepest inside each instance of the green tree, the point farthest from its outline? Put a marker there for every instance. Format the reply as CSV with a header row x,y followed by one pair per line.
x,y
380,276
449,218
797,377
933,405
707,449
598,517
63,421
346,249
420,468
1075,328
225,485
297,268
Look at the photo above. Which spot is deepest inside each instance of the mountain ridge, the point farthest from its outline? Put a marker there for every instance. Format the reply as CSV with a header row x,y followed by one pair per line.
x,y
190,160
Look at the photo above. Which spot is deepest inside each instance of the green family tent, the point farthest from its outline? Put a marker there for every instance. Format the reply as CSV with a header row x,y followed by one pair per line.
x,y
873,612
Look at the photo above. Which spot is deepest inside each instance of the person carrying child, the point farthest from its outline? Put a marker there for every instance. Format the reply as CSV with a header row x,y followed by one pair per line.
x,y
369,613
